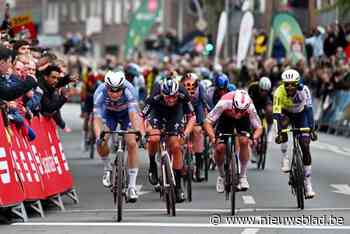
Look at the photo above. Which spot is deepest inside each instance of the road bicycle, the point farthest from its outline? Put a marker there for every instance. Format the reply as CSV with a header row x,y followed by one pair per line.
x,y
119,169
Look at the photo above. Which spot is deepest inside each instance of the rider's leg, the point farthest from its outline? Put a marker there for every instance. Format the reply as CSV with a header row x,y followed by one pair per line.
x,y
198,148
175,151
133,158
153,146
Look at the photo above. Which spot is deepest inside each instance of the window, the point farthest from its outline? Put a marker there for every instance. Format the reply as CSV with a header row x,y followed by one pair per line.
x,y
93,8
108,11
117,11
73,12
64,10
83,10
126,10
98,8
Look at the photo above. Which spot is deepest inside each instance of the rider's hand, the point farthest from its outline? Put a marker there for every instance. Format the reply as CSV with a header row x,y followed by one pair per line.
x,y
313,136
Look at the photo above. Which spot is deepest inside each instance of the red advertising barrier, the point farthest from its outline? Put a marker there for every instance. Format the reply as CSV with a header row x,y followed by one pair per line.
x,y
26,166
11,192
54,176
33,170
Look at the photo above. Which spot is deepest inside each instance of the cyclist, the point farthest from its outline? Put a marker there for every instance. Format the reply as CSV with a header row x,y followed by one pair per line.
x,y
235,110
220,88
91,80
198,98
261,94
134,76
292,103
167,106
115,104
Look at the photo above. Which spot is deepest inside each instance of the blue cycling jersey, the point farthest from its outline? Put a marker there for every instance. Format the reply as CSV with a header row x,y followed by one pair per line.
x,y
126,103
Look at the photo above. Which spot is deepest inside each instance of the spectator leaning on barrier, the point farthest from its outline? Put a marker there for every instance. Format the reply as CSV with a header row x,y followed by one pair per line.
x,y
54,96
11,87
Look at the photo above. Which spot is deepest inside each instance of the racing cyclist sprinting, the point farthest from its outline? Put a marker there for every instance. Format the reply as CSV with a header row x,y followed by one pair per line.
x,y
115,103
293,104
167,106
235,110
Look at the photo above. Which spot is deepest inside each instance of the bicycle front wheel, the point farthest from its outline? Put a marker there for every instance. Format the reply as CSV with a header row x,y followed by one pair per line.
x,y
120,179
170,187
297,166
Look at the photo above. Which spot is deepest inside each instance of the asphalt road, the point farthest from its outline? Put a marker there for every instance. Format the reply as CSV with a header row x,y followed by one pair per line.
x,y
268,207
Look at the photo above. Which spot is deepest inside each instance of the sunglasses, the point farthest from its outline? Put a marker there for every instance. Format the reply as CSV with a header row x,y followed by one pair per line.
x,y
170,96
291,84
115,90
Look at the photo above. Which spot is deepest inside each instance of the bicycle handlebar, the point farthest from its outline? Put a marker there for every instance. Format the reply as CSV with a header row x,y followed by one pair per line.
x,y
120,132
297,130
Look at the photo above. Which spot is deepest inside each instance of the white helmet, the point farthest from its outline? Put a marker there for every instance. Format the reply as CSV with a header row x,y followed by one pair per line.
x,y
265,83
290,75
241,100
114,80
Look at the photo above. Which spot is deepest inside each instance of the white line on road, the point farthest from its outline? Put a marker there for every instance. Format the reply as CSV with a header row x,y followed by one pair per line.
x,y
341,188
184,225
211,210
248,200
250,231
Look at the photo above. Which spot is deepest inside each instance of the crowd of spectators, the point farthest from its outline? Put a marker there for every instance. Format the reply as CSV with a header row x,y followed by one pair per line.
x,y
32,83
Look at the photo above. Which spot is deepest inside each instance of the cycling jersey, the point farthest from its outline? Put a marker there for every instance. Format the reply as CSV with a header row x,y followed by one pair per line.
x,y
160,115
225,107
114,112
213,97
296,104
259,101
200,103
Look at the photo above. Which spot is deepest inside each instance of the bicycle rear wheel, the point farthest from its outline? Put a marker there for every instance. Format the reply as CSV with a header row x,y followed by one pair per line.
x,y
92,137
189,175
170,188
206,159
298,172
262,151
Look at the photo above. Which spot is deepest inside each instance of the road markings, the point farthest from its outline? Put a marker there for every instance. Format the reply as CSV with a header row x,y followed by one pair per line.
x,y
249,200
250,231
183,225
211,210
341,188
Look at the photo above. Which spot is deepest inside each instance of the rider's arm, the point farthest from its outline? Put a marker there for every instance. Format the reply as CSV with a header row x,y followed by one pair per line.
x,y
308,107
133,110
277,107
255,122
191,117
212,117
98,110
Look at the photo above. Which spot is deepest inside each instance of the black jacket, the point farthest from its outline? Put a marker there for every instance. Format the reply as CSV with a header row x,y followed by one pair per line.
x,y
51,100
12,87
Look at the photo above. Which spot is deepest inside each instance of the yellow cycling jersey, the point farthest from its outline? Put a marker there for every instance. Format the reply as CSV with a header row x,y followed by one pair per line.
x,y
295,104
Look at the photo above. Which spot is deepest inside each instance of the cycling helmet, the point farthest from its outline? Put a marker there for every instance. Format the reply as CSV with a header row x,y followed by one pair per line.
x,y
114,80
290,75
265,83
206,84
221,81
204,73
169,87
132,69
218,68
231,87
190,81
241,100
